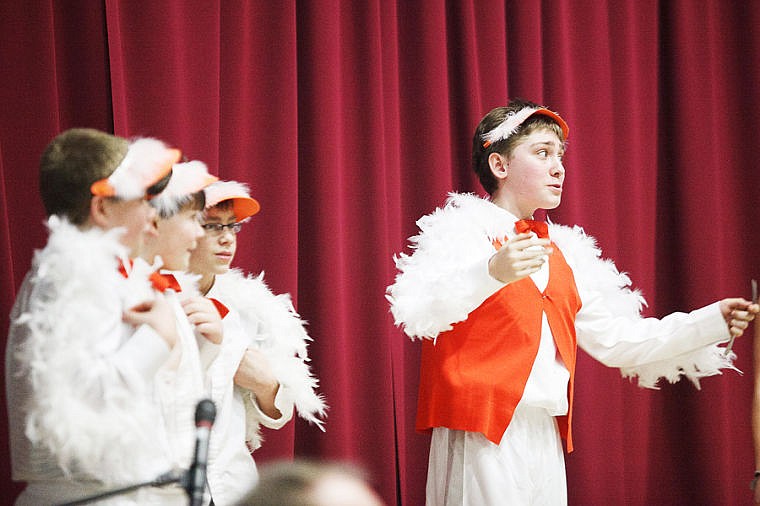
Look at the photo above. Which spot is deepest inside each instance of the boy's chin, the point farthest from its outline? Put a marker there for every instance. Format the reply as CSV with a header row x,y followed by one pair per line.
x,y
221,265
176,264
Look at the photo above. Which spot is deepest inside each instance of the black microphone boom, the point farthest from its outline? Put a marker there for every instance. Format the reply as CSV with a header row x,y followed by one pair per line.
x,y
205,413
174,476
193,480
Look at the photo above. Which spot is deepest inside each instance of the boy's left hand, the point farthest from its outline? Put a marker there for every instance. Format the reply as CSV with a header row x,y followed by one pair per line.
x,y
202,313
738,313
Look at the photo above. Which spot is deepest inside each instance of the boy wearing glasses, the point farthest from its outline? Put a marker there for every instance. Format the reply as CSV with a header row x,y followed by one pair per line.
x,y
261,373
88,333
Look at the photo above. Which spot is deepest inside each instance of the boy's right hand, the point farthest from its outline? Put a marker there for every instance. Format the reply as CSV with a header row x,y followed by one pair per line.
x,y
202,313
521,256
158,314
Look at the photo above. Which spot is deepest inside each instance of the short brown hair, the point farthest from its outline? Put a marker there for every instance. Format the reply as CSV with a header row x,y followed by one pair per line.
x,y
72,161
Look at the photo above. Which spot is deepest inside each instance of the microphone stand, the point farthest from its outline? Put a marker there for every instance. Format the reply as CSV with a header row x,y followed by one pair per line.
x,y
176,476
193,481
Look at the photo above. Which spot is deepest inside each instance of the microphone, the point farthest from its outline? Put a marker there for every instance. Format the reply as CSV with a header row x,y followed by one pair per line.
x,y
205,413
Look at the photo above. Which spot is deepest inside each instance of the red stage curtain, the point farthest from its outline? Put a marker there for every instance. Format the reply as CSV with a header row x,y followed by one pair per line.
x,y
351,119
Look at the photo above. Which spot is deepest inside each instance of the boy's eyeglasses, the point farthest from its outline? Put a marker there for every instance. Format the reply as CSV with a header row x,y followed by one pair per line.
x,y
218,228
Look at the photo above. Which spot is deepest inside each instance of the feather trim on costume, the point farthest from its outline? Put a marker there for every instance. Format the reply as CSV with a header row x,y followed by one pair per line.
x,y
82,408
435,286
509,125
594,273
146,162
273,325
187,179
700,363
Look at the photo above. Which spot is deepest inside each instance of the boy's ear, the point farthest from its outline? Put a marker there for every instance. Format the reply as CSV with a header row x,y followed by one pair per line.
x,y
100,211
498,165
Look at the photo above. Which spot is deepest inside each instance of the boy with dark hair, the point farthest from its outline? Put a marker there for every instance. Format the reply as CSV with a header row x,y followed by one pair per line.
x,y
503,302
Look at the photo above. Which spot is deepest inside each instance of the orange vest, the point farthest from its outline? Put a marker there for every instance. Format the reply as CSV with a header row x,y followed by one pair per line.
x,y
474,375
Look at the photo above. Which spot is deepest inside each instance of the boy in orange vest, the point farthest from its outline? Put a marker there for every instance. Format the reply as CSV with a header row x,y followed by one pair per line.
x,y
502,303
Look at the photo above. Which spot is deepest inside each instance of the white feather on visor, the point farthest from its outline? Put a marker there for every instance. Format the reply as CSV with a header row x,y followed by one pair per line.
x,y
515,119
146,162
243,205
187,179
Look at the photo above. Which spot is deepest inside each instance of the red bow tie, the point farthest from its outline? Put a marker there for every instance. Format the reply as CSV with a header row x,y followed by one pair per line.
x,y
540,228
123,268
160,282
220,307
163,282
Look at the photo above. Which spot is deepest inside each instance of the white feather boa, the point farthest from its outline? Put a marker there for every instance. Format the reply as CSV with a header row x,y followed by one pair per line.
x,y
435,286
91,417
439,284
273,325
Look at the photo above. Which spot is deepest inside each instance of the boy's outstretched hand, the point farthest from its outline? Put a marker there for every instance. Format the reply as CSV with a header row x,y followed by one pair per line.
x,y
738,313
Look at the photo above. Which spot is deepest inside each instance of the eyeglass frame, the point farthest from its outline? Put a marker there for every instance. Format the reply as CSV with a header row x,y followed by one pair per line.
x,y
218,228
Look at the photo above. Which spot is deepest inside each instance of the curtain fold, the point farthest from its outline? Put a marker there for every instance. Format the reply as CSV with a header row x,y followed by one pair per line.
x,y
351,119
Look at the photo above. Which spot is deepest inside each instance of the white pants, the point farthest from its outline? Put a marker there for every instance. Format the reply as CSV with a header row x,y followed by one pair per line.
x,y
526,468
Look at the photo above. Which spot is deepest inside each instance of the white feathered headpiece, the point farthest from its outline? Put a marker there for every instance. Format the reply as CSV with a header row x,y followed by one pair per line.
x,y
187,179
146,162
515,119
